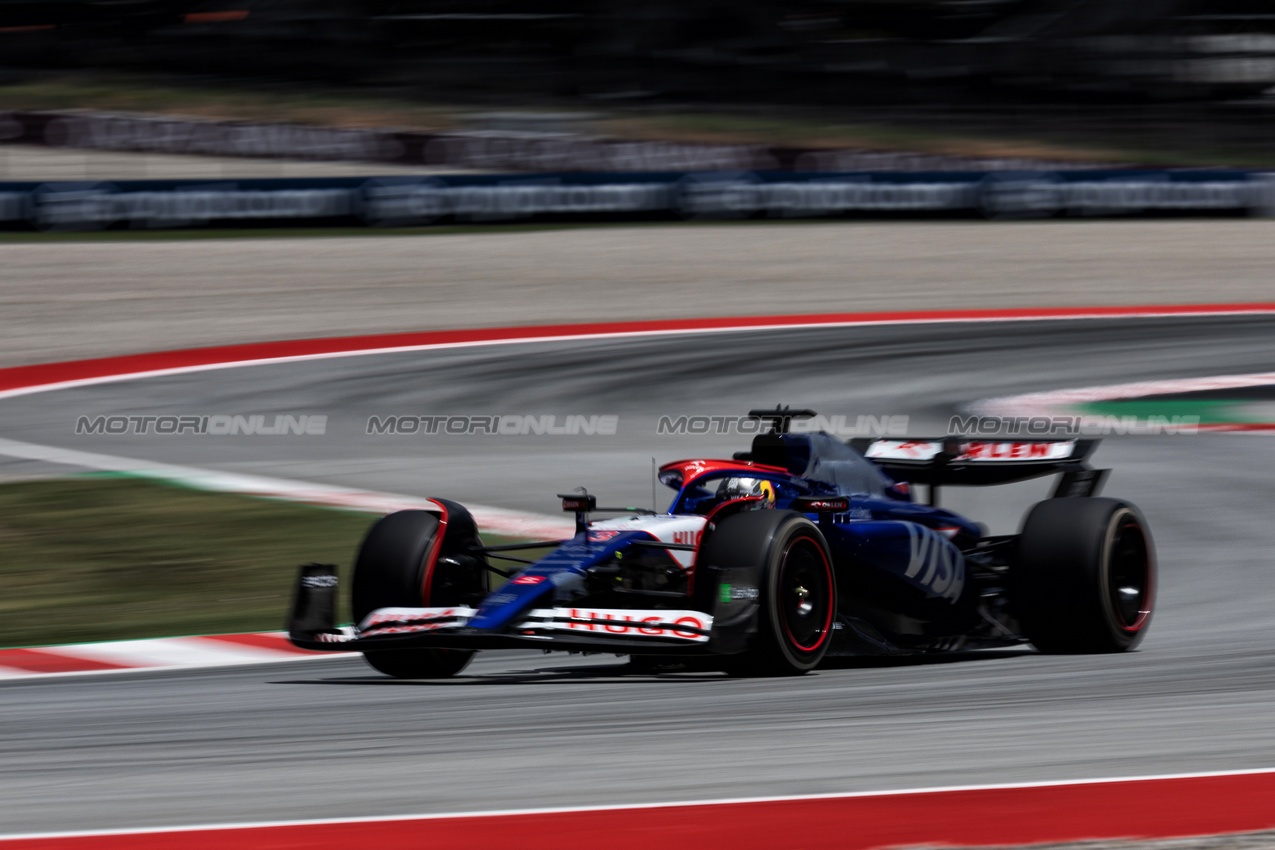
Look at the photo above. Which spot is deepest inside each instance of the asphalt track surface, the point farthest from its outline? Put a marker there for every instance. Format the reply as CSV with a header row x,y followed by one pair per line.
x,y
329,738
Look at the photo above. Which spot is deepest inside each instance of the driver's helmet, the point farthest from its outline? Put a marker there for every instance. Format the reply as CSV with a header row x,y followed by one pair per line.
x,y
745,488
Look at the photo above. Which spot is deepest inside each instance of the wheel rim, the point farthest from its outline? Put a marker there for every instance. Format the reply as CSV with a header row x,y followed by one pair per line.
x,y
805,595
1129,577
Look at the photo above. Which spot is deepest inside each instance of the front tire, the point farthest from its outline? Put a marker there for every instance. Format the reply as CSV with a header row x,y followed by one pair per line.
x,y
1084,579
411,559
797,584
419,663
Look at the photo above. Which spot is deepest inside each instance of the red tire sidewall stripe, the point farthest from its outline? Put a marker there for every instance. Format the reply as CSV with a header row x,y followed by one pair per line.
x,y
436,546
1148,598
827,627
1144,614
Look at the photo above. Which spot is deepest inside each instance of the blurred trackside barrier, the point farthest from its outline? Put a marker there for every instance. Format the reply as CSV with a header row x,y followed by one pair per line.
x,y
485,150
638,196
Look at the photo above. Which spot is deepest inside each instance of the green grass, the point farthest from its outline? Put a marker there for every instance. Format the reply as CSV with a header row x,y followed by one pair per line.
x,y
1237,411
108,558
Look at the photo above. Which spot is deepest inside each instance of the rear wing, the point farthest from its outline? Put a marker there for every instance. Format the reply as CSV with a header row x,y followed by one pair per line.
x,y
966,462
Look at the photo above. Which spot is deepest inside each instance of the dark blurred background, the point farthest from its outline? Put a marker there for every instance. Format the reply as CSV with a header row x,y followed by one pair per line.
x,y
839,51
1175,68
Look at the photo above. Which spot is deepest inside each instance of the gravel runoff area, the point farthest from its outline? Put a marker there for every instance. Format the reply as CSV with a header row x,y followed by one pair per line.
x,y
71,299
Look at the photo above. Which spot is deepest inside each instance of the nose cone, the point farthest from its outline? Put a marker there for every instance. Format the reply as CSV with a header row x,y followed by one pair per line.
x,y
509,604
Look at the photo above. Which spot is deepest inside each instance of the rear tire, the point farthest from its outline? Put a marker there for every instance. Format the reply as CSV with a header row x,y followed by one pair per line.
x,y
397,567
1084,579
798,589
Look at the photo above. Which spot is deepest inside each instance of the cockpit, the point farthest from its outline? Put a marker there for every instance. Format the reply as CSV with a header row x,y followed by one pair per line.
x,y
823,466
755,492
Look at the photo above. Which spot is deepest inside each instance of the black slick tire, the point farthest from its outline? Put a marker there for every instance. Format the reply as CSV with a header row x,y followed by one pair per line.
x,y
797,589
391,571
1084,577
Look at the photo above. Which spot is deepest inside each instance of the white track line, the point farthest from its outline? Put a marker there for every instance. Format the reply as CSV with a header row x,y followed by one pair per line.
x,y
495,520
491,519
1051,399
728,801
756,324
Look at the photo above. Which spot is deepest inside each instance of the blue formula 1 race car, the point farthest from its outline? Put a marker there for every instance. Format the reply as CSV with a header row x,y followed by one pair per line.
x,y
765,563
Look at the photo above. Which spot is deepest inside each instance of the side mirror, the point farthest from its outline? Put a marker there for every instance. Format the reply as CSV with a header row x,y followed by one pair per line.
x,y
900,490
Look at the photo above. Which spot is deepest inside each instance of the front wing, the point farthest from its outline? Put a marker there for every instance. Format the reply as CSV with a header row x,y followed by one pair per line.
x,y
615,630
725,629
